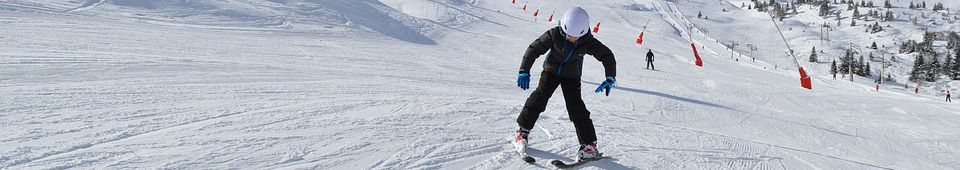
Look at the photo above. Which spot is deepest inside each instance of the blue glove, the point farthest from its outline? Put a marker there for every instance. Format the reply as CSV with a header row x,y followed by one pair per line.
x,y
607,85
523,81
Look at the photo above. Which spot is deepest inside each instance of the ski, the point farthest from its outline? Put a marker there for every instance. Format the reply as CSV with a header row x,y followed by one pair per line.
x,y
528,159
562,164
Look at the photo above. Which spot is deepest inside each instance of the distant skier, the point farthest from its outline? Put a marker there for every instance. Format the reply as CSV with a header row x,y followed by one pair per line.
x,y
567,44
650,59
948,97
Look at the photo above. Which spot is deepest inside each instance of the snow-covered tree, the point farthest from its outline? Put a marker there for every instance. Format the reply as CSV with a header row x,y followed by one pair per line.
x,y
813,55
866,70
861,67
948,66
918,69
956,65
824,9
938,6
886,4
875,28
781,12
933,70
888,16
833,68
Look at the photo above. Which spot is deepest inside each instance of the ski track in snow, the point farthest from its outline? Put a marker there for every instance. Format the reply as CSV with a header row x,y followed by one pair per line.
x,y
102,84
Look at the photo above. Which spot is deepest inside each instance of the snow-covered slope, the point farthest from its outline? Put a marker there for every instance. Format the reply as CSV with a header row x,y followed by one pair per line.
x,y
803,29
363,84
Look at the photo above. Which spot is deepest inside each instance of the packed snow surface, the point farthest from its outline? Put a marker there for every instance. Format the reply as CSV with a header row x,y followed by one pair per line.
x,y
398,84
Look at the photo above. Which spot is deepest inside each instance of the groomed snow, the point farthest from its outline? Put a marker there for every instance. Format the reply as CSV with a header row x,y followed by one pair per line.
x,y
365,84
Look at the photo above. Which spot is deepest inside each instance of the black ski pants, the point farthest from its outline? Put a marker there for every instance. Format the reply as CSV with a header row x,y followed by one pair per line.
x,y
576,110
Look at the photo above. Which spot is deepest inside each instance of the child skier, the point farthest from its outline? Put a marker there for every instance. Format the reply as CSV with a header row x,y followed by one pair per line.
x,y
567,44
948,96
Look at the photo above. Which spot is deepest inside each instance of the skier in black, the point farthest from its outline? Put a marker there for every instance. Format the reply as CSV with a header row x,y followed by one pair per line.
x,y
948,97
650,60
567,45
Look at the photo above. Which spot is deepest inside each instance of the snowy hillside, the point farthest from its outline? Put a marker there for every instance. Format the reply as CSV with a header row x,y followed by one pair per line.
x,y
400,84
803,30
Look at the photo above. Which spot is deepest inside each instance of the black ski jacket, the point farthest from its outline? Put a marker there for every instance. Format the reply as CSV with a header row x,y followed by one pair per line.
x,y
650,56
565,58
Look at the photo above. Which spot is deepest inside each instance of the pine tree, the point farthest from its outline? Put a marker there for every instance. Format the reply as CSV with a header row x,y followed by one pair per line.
x,y
853,22
781,12
846,62
824,9
924,6
956,65
918,69
833,68
933,70
873,46
875,28
699,15
861,66
758,5
813,55
912,6
866,71
938,6
886,4
889,16
948,66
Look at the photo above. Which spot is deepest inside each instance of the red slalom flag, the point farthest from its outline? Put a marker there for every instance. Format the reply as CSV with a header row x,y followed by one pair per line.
x,y
550,19
596,28
805,80
640,39
514,2
695,54
524,6
537,12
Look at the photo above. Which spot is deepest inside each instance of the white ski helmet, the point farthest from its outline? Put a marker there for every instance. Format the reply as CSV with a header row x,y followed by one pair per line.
x,y
575,22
